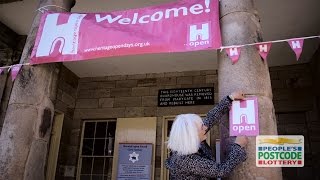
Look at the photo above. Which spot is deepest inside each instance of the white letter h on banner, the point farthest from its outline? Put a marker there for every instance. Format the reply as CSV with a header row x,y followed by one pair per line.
x,y
243,113
203,33
66,34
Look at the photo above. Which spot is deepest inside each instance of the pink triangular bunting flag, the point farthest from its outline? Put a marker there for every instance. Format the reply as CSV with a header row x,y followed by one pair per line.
x,y
15,71
296,45
264,49
234,54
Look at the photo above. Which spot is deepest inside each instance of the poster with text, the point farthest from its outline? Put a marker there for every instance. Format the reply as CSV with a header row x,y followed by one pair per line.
x,y
135,161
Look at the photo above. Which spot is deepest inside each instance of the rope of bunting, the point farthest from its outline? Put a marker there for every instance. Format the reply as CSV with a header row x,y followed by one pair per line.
x,y
44,8
276,41
221,48
9,67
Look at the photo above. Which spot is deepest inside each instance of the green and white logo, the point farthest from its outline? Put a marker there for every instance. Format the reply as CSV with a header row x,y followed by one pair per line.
x,y
280,151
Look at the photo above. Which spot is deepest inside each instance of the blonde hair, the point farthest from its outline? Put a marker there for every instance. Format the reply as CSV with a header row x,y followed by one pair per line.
x,y
184,138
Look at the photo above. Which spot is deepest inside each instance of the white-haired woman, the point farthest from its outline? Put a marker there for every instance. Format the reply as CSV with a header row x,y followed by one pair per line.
x,y
191,156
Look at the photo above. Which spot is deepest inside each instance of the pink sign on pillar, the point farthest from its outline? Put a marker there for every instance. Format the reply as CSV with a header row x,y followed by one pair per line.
x,y
264,49
244,119
234,54
296,45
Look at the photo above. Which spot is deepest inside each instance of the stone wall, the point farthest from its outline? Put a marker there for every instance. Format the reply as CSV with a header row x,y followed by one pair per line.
x,y
65,103
294,98
123,96
315,64
5,92
315,125
136,96
292,88
11,46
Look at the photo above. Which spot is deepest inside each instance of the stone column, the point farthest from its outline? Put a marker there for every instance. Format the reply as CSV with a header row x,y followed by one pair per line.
x,y
26,131
240,24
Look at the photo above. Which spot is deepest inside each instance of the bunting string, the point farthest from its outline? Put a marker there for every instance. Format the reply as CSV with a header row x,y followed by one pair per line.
x,y
44,8
263,48
9,67
276,41
232,51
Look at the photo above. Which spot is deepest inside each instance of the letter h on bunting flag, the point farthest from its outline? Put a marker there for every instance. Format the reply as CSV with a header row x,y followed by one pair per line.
x,y
296,45
234,54
264,49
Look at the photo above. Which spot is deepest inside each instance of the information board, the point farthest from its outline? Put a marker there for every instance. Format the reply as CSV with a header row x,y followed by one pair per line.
x,y
186,96
135,161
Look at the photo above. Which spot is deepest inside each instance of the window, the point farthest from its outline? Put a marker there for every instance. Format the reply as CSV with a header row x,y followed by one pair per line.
x,y
96,150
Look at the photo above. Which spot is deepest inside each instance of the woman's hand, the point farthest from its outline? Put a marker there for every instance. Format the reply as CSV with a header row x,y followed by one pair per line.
x,y
238,95
242,140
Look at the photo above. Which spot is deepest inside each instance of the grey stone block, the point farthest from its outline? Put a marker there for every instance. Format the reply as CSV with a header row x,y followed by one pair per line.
x,y
87,103
126,84
106,102
127,101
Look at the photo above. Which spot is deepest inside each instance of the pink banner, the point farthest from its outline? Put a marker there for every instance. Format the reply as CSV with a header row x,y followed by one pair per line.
x,y
296,45
244,117
234,54
175,27
15,71
264,49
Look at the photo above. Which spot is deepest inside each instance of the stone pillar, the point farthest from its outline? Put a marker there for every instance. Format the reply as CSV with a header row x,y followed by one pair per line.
x,y
24,140
240,24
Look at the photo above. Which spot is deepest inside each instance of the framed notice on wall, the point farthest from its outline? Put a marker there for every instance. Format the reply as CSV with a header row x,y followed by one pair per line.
x,y
135,161
186,96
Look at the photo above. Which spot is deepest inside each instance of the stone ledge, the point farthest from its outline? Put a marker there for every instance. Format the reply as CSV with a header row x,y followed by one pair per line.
x,y
184,80
134,112
99,113
126,84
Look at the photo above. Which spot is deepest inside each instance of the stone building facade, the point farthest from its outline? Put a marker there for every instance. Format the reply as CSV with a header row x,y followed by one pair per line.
x,y
294,95
35,146
296,100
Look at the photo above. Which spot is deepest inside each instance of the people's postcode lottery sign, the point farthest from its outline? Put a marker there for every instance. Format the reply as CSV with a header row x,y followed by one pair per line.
x,y
134,161
186,96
